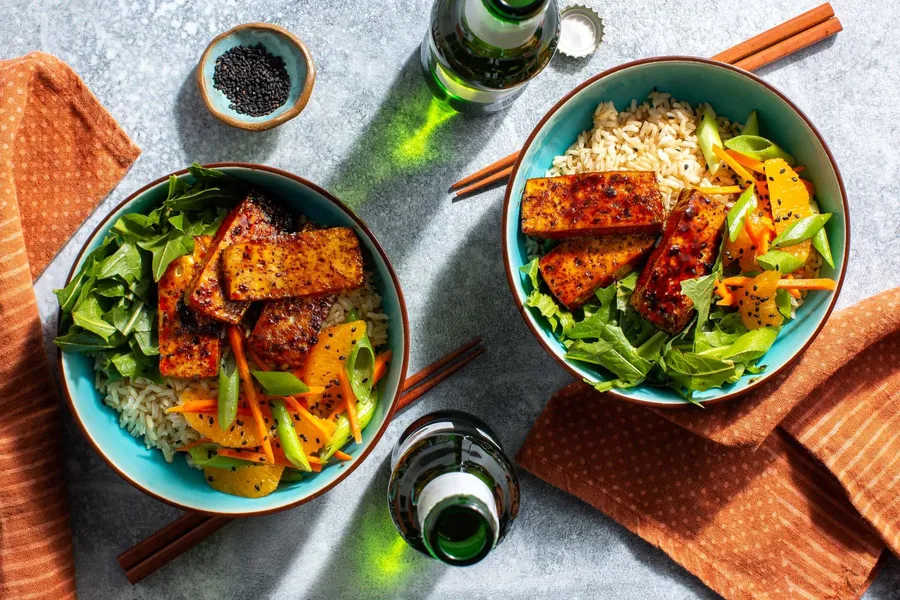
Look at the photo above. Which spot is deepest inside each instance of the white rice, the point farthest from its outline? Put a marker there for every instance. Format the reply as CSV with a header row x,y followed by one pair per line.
x,y
142,404
657,135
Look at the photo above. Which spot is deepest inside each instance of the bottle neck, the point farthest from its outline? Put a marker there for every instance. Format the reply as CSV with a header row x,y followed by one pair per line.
x,y
458,518
504,23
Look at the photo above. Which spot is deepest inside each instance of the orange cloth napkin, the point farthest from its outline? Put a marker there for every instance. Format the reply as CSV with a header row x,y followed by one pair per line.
x,y
801,510
60,154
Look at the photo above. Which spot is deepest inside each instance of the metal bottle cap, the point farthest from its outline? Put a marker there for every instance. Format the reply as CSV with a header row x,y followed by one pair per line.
x,y
581,30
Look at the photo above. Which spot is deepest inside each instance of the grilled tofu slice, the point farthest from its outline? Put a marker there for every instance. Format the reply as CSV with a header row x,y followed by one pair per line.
x,y
311,263
255,217
688,249
592,204
578,266
288,328
189,344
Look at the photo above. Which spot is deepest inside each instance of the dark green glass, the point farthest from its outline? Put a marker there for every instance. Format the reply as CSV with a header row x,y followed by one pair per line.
x,y
479,54
453,493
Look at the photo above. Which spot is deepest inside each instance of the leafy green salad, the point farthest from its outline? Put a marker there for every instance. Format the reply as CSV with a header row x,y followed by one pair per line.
x,y
714,350
108,309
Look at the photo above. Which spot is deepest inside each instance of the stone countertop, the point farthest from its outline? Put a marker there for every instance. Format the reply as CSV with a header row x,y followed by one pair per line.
x,y
138,58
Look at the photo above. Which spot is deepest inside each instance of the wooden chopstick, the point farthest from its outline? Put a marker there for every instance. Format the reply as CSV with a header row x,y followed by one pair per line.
x,y
191,528
814,34
769,46
500,164
776,34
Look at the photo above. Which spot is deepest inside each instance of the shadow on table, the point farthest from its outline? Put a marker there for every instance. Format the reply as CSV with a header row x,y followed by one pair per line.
x,y
246,559
371,560
397,171
205,139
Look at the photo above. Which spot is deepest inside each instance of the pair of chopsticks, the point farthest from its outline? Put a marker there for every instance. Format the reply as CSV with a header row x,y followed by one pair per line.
x,y
771,45
191,528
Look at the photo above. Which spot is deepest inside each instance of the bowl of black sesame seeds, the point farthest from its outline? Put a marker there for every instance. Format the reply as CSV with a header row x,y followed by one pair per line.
x,y
256,76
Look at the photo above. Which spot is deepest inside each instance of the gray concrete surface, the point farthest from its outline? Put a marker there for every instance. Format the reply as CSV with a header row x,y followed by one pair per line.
x,y
138,58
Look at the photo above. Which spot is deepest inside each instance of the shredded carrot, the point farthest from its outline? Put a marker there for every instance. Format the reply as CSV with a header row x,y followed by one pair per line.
x,y
788,283
757,236
722,189
248,455
199,442
381,365
192,406
799,169
729,160
794,293
237,347
298,408
259,362
746,161
350,398
810,186
723,292
342,456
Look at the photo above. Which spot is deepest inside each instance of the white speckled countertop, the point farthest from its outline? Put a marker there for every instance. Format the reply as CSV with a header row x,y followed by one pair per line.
x,y
138,58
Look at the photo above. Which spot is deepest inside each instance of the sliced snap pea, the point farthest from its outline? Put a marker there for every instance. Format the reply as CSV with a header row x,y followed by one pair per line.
x,y
287,435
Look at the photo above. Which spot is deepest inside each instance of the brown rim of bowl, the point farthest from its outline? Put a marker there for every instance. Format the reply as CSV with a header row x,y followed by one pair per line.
x,y
403,366
298,106
507,199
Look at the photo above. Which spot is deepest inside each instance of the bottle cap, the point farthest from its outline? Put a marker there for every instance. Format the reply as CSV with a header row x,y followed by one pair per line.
x,y
581,30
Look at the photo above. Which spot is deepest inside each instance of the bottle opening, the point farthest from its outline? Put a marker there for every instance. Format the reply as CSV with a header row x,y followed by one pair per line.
x,y
517,8
462,534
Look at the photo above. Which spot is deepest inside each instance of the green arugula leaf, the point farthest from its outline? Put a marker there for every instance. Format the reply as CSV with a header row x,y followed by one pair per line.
x,y
745,204
124,262
801,230
275,383
168,248
752,345
135,226
110,288
68,296
200,172
198,199
532,269
89,316
177,221
820,243
85,341
700,291
551,311
695,372
778,260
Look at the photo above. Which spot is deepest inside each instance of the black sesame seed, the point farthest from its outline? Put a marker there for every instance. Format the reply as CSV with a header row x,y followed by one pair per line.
x,y
209,478
254,81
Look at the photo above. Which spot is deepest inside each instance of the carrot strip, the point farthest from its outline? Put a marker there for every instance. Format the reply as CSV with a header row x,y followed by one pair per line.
x,y
799,169
259,362
381,365
787,284
746,161
794,293
192,406
347,393
726,295
237,347
295,405
810,186
722,189
729,160
248,455
199,442
342,455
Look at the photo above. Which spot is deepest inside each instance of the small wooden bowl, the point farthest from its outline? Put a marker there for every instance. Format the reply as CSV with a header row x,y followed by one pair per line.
x,y
278,41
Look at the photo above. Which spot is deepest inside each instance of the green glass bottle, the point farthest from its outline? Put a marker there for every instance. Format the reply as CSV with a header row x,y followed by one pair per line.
x,y
453,493
479,54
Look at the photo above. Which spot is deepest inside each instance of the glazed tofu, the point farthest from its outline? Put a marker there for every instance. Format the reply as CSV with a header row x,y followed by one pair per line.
x,y
578,266
592,204
288,328
255,217
189,344
311,263
688,249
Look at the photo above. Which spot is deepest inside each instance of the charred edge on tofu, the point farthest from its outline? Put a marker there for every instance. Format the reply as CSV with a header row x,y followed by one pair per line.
x,y
688,249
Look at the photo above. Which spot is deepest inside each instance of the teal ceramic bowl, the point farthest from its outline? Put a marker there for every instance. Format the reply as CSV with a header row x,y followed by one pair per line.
x,y
278,41
177,483
733,93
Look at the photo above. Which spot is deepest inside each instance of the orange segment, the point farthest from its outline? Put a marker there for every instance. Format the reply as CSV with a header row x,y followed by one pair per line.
x,y
325,360
247,482
756,301
790,201
242,430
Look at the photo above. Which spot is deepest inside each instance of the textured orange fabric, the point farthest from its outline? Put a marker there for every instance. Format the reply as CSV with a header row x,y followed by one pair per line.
x,y
60,154
804,513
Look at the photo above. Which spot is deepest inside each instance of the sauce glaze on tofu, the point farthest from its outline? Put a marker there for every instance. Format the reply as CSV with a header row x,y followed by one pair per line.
x,y
592,204
578,266
688,249
255,217
287,329
317,262
189,344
